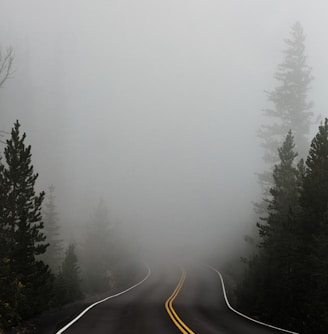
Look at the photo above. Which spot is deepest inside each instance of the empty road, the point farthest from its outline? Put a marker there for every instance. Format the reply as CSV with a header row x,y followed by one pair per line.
x,y
173,299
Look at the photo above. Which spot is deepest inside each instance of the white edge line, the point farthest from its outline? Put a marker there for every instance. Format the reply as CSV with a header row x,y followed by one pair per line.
x,y
101,301
241,314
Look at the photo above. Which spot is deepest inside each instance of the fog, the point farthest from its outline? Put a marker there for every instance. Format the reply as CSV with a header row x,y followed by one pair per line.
x,y
153,106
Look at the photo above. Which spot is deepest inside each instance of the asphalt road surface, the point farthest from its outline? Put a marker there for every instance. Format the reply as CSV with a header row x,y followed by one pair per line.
x,y
173,300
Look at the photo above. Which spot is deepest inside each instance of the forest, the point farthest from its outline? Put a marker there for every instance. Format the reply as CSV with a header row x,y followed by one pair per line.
x,y
285,280
37,273
281,278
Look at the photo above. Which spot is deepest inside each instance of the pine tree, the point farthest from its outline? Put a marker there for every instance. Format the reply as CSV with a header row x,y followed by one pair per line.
x,y
27,280
275,300
67,287
97,251
290,106
7,311
51,229
284,192
295,245
281,237
315,195
314,201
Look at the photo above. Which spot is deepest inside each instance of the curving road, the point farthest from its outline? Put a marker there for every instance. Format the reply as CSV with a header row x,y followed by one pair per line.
x,y
171,300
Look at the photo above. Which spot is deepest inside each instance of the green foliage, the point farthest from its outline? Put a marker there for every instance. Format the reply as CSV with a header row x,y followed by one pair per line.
x,y
282,252
278,248
315,194
314,201
286,282
284,194
27,286
25,281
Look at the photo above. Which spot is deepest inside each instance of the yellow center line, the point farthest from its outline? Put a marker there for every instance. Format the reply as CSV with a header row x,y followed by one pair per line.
x,y
170,310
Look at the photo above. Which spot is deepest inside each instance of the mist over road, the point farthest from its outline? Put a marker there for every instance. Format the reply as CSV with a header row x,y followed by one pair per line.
x,y
199,303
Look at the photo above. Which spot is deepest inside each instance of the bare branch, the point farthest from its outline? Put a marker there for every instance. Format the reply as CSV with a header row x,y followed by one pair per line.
x,y
6,62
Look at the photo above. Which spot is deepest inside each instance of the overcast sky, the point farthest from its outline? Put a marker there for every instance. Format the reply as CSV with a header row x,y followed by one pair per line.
x,y
153,105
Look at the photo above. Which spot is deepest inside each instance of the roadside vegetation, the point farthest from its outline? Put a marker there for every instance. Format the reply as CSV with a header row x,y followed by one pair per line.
x,y
37,271
40,269
28,284
285,278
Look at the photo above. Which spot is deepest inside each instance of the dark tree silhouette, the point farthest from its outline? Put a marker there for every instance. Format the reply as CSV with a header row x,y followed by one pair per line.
x,y
314,201
275,300
25,280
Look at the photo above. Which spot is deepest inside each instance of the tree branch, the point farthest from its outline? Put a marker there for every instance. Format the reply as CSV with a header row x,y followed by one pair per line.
x,y
6,62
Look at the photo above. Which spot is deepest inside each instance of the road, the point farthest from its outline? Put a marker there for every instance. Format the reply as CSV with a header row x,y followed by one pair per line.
x,y
172,299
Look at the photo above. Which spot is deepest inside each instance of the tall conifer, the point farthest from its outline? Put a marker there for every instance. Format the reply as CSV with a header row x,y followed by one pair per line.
x,y
276,300
289,104
314,201
27,280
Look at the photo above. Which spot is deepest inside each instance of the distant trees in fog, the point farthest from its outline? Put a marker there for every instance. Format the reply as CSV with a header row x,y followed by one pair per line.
x,y
64,267
53,255
67,285
289,107
106,262
96,251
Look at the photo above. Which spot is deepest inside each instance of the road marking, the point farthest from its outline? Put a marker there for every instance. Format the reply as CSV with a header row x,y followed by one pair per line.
x,y
170,310
241,314
103,300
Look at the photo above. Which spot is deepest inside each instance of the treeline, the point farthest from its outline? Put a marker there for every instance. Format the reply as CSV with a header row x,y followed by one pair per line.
x,y
37,272
286,280
108,258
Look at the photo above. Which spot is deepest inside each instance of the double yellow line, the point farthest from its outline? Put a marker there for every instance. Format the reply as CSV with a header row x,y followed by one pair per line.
x,y
170,310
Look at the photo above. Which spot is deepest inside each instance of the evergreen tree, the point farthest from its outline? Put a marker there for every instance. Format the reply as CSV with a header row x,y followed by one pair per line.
x,y
51,229
315,195
284,192
67,284
98,251
25,279
7,311
290,106
281,237
276,299
294,249
314,201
